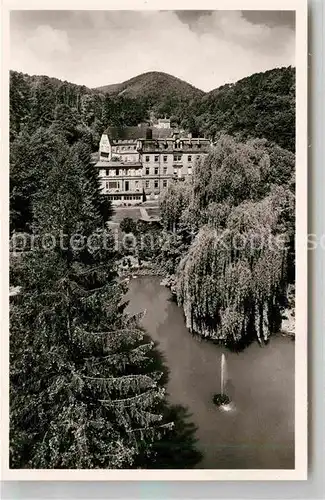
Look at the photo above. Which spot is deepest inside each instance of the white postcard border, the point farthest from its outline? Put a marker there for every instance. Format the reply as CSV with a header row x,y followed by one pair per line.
x,y
301,436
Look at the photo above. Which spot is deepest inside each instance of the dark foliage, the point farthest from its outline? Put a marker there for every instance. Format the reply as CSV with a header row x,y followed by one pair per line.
x,y
232,279
261,105
86,383
177,449
31,159
128,225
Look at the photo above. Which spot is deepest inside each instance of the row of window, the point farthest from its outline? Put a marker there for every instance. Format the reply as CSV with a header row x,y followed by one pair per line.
x,y
156,171
180,145
117,172
177,145
165,158
132,197
124,197
156,184
127,159
123,148
117,185
177,170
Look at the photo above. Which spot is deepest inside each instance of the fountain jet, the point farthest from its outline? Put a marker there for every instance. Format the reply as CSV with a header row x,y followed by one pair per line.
x,y
223,373
222,399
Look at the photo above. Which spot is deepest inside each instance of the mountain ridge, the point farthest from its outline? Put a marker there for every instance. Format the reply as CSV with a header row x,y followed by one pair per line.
x,y
260,105
119,88
151,82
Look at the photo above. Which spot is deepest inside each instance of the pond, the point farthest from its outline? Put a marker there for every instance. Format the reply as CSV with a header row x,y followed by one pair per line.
x,y
258,432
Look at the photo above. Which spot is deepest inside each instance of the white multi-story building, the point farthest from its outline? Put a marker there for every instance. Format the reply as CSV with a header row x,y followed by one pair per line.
x,y
136,163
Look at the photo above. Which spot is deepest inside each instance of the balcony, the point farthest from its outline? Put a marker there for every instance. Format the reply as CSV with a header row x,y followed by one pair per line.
x,y
104,162
131,164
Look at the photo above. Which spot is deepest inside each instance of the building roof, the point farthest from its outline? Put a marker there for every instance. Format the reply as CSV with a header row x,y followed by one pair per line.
x,y
126,133
162,133
135,133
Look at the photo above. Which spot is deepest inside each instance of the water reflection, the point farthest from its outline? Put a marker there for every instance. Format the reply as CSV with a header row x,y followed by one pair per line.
x,y
258,431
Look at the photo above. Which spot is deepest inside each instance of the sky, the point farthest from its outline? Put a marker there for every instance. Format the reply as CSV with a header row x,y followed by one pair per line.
x,y
204,48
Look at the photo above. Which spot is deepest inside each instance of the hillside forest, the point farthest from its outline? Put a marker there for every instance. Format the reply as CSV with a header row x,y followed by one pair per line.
x,y
261,105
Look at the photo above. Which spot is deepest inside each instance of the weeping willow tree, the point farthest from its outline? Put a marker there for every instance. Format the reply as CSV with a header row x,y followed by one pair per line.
x,y
173,202
232,281
235,172
239,206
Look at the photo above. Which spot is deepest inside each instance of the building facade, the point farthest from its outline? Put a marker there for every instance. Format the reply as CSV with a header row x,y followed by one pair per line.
x,y
137,163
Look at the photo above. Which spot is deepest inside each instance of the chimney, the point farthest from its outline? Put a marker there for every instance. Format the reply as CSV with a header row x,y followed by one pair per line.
x,y
149,133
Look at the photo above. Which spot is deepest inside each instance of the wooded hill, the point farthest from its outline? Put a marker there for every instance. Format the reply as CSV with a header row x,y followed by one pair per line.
x,y
154,84
261,105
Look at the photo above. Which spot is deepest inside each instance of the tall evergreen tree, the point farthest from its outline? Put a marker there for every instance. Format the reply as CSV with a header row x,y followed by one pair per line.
x,y
82,155
83,390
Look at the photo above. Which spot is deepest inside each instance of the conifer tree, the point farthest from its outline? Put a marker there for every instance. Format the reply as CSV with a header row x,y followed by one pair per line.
x,y
82,154
83,390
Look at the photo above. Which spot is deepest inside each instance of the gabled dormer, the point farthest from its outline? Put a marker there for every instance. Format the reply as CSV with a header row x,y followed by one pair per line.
x,y
105,148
